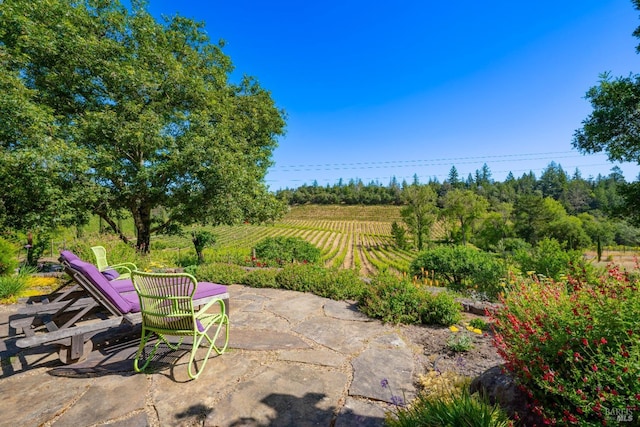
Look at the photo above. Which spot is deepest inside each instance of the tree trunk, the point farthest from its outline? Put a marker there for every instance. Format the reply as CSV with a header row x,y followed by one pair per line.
x,y
142,222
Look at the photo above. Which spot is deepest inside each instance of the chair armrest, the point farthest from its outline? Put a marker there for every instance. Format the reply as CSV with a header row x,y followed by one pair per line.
x,y
127,266
208,305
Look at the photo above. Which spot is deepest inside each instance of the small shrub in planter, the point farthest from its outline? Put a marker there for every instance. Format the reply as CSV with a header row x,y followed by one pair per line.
x,y
574,346
281,250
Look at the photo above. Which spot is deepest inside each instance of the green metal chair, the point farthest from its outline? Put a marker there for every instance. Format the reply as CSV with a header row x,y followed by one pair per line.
x,y
112,271
166,304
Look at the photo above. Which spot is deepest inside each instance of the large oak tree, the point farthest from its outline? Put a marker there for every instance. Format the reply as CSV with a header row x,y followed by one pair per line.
x,y
127,114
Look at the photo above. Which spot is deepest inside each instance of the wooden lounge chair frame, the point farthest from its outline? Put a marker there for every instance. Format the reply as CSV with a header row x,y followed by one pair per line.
x,y
84,311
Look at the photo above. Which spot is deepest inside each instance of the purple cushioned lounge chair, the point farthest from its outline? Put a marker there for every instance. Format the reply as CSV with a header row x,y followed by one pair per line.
x,y
71,323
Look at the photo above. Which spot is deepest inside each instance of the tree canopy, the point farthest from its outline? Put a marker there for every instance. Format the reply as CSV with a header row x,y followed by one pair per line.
x,y
111,111
614,125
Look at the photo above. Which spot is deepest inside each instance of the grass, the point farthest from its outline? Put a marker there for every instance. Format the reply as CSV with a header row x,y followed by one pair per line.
x,y
454,410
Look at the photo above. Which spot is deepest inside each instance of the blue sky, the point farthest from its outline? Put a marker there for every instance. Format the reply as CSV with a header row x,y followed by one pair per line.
x,y
380,89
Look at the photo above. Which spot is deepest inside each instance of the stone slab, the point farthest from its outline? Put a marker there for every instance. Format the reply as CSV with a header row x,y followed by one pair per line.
x,y
345,310
343,336
360,413
34,398
245,317
195,399
376,364
282,394
111,398
297,307
322,357
250,339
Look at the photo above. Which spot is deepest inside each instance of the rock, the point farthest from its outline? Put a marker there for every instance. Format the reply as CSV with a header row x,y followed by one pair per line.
x,y
501,388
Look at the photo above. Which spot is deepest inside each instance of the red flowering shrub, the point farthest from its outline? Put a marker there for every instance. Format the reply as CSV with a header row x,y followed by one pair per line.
x,y
575,347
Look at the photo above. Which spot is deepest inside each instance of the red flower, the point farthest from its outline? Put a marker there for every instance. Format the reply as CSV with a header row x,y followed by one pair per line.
x,y
603,340
585,341
594,368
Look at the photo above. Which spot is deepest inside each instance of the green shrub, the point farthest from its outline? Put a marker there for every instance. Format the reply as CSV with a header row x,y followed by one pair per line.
x,y
192,269
181,258
548,258
462,268
12,285
8,258
479,324
392,299
329,283
343,284
443,309
261,278
225,274
574,346
298,277
396,300
448,411
459,342
281,250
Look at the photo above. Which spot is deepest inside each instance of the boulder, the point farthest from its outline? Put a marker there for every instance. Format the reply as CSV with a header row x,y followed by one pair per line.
x,y
500,387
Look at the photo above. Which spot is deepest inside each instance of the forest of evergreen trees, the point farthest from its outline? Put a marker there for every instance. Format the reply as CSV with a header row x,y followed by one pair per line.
x,y
581,210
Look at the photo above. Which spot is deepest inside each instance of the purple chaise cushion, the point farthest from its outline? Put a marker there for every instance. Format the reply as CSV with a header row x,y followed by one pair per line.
x,y
91,273
206,289
132,298
124,285
68,256
111,274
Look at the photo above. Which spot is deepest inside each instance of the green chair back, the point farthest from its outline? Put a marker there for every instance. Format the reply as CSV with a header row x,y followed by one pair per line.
x,y
166,305
101,257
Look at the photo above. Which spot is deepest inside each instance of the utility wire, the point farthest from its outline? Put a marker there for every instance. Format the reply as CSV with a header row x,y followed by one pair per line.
x,y
467,159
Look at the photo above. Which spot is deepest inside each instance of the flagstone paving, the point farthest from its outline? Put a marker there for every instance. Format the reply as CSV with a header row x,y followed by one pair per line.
x,y
295,359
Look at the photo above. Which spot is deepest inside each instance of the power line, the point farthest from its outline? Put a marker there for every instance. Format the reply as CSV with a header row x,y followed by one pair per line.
x,y
423,177
434,162
379,165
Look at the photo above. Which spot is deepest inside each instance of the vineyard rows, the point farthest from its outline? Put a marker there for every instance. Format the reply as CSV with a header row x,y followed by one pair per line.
x,y
366,246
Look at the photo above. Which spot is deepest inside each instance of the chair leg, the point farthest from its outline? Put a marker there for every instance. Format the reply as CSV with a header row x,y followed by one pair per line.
x,y
224,323
146,335
143,342
221,321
